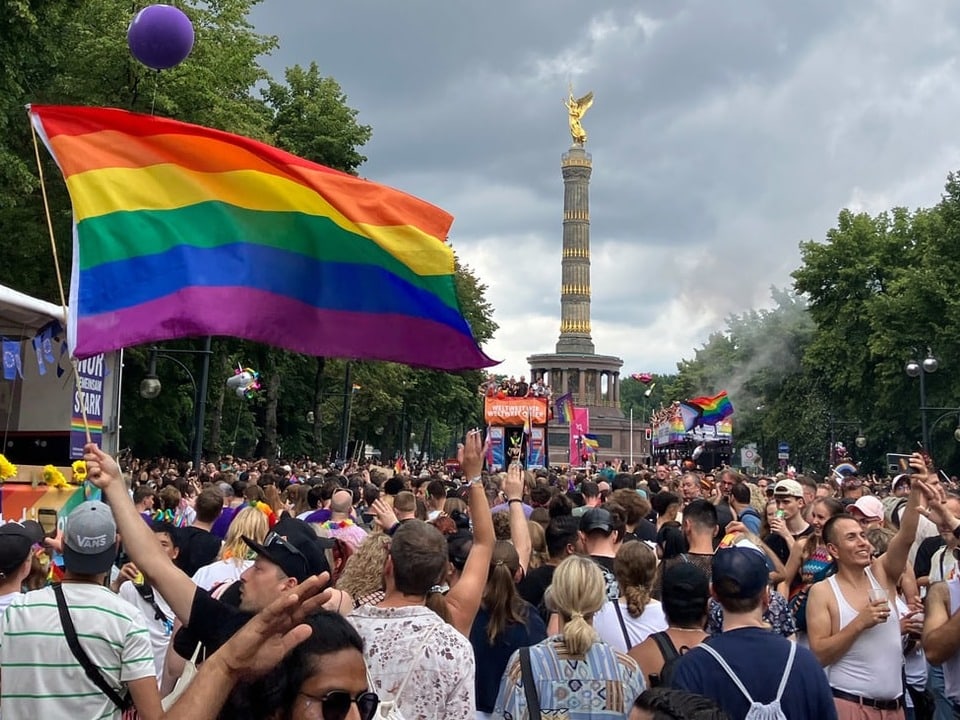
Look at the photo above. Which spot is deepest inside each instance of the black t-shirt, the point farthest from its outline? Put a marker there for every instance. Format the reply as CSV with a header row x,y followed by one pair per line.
x,y
197,548
212,622
646,530
779,545
535,584
928,546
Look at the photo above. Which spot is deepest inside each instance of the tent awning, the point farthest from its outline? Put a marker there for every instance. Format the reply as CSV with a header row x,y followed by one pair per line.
x,y
21,315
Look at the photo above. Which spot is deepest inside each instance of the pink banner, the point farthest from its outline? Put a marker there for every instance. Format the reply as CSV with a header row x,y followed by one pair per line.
x,y
578,428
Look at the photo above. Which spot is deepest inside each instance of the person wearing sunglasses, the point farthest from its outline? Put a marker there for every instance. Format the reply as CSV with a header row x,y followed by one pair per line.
x,y
304,664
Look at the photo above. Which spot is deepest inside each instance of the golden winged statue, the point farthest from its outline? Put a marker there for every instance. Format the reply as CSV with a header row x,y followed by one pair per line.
x,y
577,108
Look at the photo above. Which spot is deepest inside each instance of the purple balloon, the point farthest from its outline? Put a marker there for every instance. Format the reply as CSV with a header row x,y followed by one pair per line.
x,y
160,36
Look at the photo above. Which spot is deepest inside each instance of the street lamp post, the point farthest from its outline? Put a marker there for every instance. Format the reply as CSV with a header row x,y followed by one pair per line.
x,y
150,388
920,370
349,388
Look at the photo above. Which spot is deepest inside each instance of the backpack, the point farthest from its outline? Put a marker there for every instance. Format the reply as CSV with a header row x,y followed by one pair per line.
x,y
758,711
670,656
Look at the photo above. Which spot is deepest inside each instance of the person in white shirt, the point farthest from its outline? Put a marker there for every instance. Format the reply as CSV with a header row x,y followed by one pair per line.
x,y
132,586
635,615
235,556
16,554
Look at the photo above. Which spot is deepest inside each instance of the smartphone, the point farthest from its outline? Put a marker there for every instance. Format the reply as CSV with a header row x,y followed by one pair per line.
x,y
900,460
47,517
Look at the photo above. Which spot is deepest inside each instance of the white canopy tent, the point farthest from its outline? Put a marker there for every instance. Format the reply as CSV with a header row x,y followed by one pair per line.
x,y
22,316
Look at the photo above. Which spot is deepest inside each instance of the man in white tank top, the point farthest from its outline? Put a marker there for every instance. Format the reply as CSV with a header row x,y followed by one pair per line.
x,y
850,624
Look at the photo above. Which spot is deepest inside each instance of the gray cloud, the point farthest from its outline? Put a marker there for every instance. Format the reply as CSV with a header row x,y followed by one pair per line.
x,y
723,134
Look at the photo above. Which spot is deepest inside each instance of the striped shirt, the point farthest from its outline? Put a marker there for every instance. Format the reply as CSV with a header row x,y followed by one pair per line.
x,y
602,684
42,678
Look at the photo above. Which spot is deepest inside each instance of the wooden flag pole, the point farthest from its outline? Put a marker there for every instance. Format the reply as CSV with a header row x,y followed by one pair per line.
x,y
56,265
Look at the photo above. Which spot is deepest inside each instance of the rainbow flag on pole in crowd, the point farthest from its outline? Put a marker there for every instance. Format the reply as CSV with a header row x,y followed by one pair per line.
x,y
564,407
713,409
182,230
590,442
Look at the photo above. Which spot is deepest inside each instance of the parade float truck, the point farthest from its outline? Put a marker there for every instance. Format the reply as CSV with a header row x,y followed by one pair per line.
x,y
41,418
517,428
708,446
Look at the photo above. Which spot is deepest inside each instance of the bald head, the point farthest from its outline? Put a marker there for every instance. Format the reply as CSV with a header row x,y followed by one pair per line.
x,y
341,502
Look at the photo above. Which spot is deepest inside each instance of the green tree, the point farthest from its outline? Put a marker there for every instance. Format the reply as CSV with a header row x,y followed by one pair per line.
x,y
311,119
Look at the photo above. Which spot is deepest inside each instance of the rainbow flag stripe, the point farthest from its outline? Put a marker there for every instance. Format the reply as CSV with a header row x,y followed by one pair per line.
x,y
183,230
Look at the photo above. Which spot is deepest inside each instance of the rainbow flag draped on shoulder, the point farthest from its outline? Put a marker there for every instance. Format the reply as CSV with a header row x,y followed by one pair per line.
x,y
182,230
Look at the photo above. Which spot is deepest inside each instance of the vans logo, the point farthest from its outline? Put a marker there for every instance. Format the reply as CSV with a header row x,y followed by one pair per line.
x,y
94,542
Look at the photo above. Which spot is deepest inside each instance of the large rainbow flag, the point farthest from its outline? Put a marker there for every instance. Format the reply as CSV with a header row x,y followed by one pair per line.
x,y
182,230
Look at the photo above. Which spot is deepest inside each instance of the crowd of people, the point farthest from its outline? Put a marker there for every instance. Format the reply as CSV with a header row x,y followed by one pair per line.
x,y
256,590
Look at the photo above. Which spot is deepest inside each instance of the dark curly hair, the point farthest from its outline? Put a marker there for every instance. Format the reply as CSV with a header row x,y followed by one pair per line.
x,y
671,704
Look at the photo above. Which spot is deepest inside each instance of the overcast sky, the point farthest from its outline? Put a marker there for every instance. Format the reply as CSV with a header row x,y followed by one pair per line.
x,y
723,134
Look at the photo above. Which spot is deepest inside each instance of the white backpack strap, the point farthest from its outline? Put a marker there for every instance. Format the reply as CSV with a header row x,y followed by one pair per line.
x,y
727,669
786,671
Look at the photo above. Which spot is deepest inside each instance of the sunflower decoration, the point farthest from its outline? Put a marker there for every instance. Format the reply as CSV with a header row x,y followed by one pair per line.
x,y
53,477
79,471
7,469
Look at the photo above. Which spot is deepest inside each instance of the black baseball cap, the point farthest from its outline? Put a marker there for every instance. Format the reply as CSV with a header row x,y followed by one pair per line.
x,y
596,519
16,541
294,547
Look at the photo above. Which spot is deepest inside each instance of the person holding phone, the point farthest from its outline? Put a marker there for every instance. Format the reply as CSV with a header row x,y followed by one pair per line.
x,y
851,626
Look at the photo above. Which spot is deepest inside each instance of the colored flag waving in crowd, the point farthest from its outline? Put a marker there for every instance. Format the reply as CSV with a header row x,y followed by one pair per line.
x,y
182,230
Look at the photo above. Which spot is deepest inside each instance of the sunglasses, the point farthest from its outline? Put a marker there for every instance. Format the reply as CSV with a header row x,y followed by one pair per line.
x,y
336,705
273,540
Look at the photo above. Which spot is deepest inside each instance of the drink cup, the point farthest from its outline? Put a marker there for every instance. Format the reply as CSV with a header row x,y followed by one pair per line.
x,y
877,595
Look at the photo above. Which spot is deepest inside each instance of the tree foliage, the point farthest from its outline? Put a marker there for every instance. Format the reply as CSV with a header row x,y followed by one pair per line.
x,y
76,53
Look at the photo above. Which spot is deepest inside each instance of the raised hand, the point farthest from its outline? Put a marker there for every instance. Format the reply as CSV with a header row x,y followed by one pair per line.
x,y
102,470
383,514
470,454
266,639
513,485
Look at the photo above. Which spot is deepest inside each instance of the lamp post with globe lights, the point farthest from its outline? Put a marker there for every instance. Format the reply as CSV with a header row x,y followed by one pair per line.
x,y
920,370
150,388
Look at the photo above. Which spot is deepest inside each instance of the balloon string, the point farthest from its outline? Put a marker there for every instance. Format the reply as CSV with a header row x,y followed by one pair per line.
x,y
56,265
156,84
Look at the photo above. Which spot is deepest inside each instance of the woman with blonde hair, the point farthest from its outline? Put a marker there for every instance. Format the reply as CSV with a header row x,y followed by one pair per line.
x,y
235,556
362,576
577,594
632,618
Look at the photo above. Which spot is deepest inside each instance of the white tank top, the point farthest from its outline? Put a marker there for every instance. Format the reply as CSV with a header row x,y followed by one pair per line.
x,y
871,668
951,667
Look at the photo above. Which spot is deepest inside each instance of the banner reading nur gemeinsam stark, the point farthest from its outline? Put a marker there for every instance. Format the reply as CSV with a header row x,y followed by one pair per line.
x,y
92,372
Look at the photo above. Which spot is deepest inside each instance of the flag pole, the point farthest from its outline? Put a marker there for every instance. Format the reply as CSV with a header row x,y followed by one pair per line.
x,y
631,439
56,267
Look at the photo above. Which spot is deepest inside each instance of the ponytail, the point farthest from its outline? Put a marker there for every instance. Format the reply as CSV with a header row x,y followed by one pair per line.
x,y
637,599
578,591
500,598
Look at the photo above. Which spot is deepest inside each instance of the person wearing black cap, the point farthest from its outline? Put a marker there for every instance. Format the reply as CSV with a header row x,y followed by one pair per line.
x,y
600,536
16,553
726,669
289,554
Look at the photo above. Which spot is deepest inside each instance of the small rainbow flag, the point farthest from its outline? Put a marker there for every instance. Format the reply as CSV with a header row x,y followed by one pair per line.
x,y
591,442
182,230
713,409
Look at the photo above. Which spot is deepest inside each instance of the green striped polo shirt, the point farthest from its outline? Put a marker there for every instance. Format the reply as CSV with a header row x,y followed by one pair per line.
x,y
41,677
